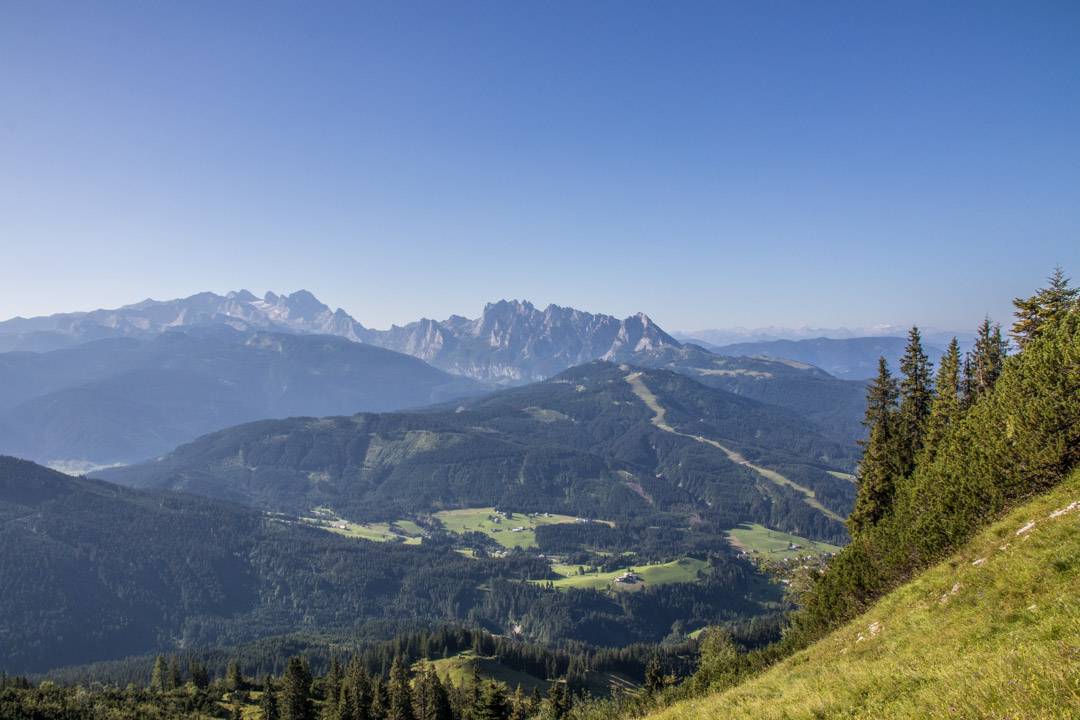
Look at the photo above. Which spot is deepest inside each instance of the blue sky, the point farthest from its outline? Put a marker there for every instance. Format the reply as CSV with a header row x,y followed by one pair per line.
x,y
712,164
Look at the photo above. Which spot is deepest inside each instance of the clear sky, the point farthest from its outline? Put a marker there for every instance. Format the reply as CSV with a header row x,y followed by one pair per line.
x,y
712,164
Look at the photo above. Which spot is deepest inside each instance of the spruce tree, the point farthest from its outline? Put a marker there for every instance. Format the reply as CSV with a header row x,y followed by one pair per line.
x,y
1047,305
234,680
268,702
493,703
332,688
946,409
380,703
199,676
430,699
343,708
559,699
296,701
916,397
174,679
159,675
877,469
359,683
520,708
399,692
984,363
654,676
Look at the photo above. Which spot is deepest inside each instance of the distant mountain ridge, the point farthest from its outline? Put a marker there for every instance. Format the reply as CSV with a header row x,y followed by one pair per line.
x,y
127,399
849,359
512,342
298,312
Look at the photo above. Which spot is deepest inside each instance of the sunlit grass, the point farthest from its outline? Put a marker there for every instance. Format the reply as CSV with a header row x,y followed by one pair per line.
x,y
503,532
677,571
773,544
992,633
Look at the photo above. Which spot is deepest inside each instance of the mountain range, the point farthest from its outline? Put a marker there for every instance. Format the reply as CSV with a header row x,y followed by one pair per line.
x,y
129,398
848,359
80,390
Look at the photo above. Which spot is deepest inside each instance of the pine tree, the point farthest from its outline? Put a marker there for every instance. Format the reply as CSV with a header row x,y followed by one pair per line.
x,y
984,363
296,701
159,675
399,692
947,408
877,469
1047,305
916,397
268,702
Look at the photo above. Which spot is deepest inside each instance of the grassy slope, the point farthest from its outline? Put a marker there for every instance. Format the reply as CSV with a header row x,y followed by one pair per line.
x,y
676,571
1000,638
478,520
773,544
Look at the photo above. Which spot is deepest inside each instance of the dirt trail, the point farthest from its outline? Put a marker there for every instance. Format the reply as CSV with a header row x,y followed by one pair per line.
x,y
660,421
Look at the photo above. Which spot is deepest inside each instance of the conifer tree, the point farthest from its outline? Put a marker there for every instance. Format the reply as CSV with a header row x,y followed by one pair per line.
x,y
399,692
344,709
493,703
268,702
234,680
877,469
430,699
159,675
332,688
520,708
1047,305
946,408
199,676
984,363
296,703
916,397
559,699
654,676
359,684
174,679
380,703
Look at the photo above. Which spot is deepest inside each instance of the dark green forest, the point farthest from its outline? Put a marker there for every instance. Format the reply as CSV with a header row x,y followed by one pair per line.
x,y
582,443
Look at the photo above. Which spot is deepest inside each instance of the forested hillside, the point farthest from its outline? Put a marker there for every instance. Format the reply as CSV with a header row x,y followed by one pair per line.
x,y
947,453
94,571
583,443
